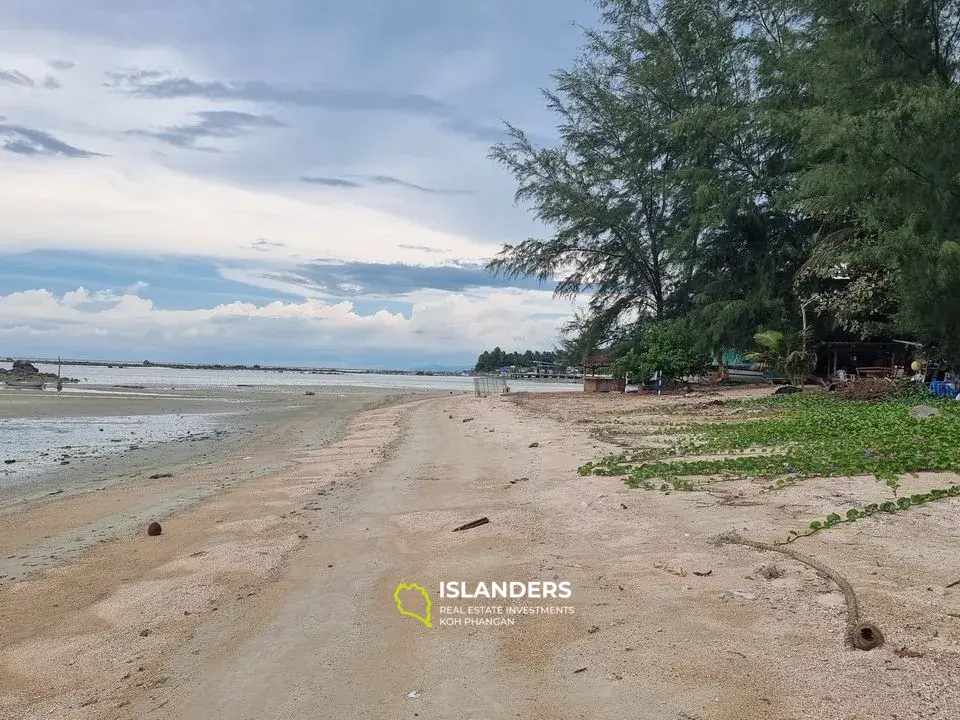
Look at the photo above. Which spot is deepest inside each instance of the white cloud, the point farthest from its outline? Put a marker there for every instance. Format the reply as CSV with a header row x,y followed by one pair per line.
x,y
107,206
80,322
149,196
245,206
83,111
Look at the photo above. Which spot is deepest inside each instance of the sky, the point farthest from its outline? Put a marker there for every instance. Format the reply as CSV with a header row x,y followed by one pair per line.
x,y
271,181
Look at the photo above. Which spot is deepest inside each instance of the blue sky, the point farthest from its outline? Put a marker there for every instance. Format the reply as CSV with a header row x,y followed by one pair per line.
x,y
270,181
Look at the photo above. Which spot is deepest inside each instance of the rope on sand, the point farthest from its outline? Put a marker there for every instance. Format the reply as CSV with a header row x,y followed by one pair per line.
x,y
859,634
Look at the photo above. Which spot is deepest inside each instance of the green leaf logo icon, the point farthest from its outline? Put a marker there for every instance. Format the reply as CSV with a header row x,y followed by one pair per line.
x,y
402,587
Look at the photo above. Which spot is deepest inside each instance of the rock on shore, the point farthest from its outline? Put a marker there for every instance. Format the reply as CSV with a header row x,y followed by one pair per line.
x,y
23,369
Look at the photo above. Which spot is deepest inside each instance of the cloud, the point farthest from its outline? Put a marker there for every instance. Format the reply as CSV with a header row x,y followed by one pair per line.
x,y
374,280
387,180
157,84
210,124
422,248
28,141
15,77
266,245
381,180
316,142
122,206
437,324
483,133
399,121
330,182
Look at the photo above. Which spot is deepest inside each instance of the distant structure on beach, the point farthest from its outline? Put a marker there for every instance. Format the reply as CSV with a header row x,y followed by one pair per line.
x,y
539,370
598,376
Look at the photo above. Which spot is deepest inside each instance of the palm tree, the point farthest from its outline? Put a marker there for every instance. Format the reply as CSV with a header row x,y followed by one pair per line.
x,y
785,353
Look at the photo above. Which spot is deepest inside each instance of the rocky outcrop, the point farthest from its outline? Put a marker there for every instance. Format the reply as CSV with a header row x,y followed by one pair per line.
x,y
24,368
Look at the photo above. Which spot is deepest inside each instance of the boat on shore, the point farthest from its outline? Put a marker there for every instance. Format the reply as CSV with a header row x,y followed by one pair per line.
x,y
745,374
26,382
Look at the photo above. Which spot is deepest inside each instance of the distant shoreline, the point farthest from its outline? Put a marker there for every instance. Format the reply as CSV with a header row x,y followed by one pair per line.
x,y
222,366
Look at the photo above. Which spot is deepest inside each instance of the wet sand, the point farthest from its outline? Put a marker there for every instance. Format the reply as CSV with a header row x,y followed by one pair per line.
x,y
273,598
50,517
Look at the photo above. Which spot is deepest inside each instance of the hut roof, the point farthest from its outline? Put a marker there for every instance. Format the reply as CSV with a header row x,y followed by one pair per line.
x,y
596,360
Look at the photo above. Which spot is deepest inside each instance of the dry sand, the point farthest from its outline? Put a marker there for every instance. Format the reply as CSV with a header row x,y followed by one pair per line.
x,y
273,599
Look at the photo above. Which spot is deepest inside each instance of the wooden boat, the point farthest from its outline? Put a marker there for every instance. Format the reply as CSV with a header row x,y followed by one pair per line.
x,y
25,382
745,375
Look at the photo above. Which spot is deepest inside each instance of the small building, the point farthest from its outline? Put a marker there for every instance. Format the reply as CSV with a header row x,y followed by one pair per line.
x,y
598,384
889,358
597,375
543,368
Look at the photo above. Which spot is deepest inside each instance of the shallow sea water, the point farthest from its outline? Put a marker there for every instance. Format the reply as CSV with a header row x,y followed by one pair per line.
x,y
36,444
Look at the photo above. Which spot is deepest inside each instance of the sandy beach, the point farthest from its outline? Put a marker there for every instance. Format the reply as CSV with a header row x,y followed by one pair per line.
x,y
270,593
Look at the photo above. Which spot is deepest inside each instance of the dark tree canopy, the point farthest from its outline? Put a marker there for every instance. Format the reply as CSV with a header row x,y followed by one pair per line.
x,y
491,360
736,162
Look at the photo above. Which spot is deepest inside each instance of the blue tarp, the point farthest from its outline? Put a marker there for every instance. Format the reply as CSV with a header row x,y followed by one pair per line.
x,y
944,389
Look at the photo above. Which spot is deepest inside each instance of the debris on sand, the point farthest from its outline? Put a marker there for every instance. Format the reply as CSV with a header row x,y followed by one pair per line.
x,y
534,445
905,652
924,412
771,572
472,524
672,569
154,529
466,420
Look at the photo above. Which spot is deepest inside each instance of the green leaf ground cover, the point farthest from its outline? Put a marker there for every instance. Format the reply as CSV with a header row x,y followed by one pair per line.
x,y
812,434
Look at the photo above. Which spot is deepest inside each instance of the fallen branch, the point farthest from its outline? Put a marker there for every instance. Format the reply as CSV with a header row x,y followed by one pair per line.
x,y
473,524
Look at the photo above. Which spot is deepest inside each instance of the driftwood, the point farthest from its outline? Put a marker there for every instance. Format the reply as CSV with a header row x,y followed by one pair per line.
x,y
473,524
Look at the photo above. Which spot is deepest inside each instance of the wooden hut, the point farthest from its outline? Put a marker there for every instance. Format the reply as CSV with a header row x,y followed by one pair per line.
x,y
597,375
890,358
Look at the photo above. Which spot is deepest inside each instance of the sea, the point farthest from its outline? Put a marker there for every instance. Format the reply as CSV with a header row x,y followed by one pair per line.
x,y
159,377
30,446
